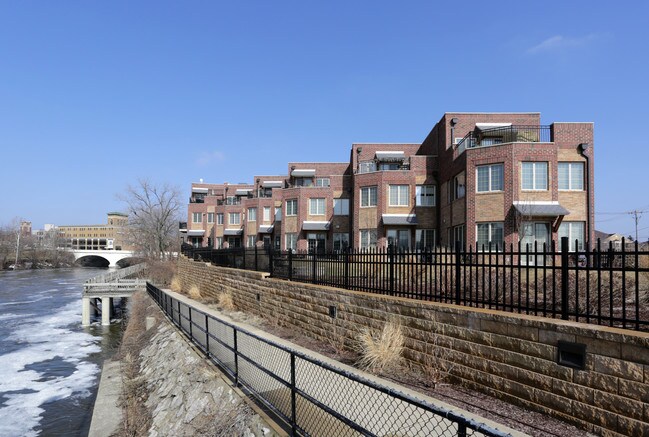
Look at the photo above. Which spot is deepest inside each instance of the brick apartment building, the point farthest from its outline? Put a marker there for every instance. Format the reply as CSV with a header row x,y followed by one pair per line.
x,y
483,179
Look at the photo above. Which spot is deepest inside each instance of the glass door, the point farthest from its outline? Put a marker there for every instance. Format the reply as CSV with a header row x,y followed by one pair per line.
x,y
316,242
531,233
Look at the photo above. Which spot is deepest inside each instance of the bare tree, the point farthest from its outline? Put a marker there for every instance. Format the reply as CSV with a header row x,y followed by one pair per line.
x,y
153,218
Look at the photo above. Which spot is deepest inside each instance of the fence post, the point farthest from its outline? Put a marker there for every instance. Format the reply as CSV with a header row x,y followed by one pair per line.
x,y
236,359
244,259
565,244
313,269
256,262
207,335
391,261
458,272
346,268
293,415
270,261
290,264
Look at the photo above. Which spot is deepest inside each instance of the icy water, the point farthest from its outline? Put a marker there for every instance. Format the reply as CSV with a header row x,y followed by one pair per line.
x,y
49,364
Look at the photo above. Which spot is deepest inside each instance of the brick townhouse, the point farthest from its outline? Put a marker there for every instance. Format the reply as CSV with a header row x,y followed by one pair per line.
x,y
483,179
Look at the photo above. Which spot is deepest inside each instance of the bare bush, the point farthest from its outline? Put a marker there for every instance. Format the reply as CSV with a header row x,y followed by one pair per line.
x,y
226,302
195,292
380,350
176,284
161,273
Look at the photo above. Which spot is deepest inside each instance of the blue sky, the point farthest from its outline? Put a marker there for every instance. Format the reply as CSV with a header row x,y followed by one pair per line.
x,y
95,95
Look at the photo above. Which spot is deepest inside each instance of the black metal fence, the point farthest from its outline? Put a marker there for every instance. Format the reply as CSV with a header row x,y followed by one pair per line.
x,y
307,396
600,286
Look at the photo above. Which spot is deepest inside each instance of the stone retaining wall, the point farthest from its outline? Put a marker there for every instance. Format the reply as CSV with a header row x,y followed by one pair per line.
x,y
509,356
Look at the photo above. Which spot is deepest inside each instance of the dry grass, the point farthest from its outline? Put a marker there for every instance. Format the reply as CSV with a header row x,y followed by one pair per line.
x,y
380,350
195,292
176,284
226,302
161,273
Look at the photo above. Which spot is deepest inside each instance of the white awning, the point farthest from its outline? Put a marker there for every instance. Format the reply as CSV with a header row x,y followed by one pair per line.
x,y
483,126
399,219
540,209
390,156
272,184
266,229
242,191
315,226
199,190
233,232
303,173
196,233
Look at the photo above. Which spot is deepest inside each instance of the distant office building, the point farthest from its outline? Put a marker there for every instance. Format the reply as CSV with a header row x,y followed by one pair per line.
x,y
109,236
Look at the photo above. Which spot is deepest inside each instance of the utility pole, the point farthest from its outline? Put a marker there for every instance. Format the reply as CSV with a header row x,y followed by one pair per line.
x,y
17,246
636,215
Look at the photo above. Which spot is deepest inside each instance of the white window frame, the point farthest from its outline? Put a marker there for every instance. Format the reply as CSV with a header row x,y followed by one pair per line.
x,y
291,241
232,215
490,180
491,228
322,182
266,213
219,242
425,193
251,241
252,214
570,166
341,206
317,206
291,207
570,234
219,218
402,199
210,217
366,238
197,217
369,196
535,172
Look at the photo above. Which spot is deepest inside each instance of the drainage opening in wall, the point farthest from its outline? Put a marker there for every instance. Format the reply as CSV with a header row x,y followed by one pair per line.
x,y
332,311
571,354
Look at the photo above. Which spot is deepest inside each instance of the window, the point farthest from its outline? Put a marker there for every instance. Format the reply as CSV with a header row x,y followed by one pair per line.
x,y
571,176
399,195
368,196
303,182
490,233
368,238
458,188
425,195
575,233
456,234
389,166
291,207
322,182
277,241
534,176
252,239
197,217
219,218
366,166
235,218
398,238
210,217
341,241
278,213
317,206
291,241
252,214
424,239
341,206
490,178
219,242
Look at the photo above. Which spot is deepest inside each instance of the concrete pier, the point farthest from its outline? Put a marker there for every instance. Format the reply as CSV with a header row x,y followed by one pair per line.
x,y
106,310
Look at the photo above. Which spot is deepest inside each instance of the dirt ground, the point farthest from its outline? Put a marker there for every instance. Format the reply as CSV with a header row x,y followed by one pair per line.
x,y
517,418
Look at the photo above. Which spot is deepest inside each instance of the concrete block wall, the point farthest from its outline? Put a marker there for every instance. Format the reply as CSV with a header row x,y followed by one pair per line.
x,y
512,357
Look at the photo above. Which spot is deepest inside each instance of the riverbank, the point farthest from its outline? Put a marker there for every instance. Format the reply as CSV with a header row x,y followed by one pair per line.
x,y
170,389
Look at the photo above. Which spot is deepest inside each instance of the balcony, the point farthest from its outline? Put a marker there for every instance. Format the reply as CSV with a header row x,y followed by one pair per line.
x,y
197,199
503,135
229,201
383,165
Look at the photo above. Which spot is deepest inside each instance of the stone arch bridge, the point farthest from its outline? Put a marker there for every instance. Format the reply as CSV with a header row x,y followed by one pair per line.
x,y
113,257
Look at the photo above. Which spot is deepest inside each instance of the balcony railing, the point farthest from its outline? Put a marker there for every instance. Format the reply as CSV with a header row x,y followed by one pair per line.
x,y
374,165
502,135
196,200
235,201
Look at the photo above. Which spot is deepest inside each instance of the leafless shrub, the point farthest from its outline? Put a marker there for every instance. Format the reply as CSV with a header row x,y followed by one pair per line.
x,y
176,284
380,350
195,292
435,364
161,273
226,302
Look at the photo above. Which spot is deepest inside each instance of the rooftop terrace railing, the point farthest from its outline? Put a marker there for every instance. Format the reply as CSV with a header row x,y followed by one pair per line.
x,y
502,135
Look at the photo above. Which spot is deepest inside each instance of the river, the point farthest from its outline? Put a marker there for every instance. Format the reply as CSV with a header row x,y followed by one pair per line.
x,y
49,363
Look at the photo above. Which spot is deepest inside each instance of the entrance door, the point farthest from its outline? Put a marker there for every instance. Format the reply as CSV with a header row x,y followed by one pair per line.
x,y
234,242
399,238
534,232
316,242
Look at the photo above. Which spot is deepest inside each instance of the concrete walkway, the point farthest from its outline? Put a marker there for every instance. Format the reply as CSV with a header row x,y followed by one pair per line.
x,y
106,415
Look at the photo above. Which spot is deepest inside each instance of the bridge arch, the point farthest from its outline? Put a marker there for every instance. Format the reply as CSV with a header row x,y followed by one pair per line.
x,y
114,257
